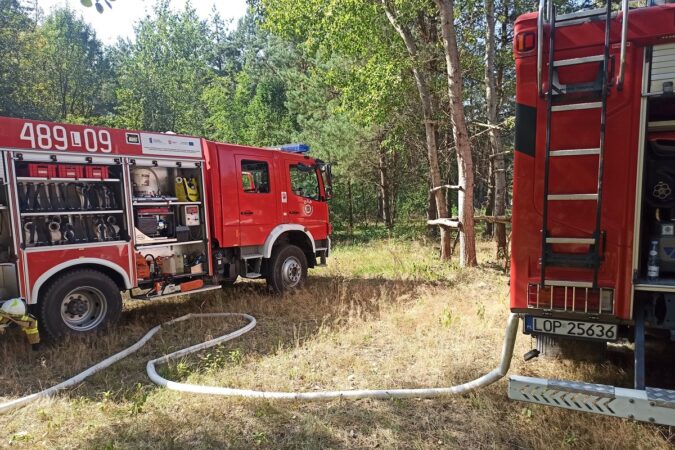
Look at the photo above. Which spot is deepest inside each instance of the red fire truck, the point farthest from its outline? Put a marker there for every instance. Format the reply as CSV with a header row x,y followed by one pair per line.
x,y
594,197
88,212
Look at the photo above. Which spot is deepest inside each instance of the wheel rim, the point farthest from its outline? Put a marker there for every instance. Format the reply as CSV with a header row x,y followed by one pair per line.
x,y
291,271
83,309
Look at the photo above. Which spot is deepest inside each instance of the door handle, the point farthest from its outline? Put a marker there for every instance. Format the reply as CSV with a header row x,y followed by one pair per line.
x,y
247,213
293,212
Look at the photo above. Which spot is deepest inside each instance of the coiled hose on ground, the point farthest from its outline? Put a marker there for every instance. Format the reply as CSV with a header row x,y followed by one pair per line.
x,y
485,380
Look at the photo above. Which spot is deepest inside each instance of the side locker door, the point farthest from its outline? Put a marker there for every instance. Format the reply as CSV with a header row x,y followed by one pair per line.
x,y
304,204
257,193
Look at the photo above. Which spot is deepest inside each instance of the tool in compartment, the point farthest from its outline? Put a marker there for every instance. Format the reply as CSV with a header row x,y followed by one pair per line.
x,y
182,233
72,196
186,189
56,234
29,232
23,197
36,231
150,184
54,198
42,202
155,222
142,267
68,232
30,196
78,228
166,288
90,227
191,214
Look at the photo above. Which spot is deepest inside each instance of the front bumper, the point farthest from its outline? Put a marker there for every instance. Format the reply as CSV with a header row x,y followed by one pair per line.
x,y
652,405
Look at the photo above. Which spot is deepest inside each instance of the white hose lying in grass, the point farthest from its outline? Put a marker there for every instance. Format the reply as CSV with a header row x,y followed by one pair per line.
x,y
489,378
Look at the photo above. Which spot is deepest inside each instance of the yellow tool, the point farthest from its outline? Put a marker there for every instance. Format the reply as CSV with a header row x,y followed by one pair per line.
x,y
186,189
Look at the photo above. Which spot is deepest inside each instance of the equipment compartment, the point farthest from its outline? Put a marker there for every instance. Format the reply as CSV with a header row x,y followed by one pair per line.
x,y
66,208
656,264
170,232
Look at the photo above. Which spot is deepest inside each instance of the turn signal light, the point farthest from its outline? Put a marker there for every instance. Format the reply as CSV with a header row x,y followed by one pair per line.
x,y
525,42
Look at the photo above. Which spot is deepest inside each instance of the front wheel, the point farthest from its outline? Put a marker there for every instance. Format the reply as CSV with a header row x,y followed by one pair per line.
x,y
287,269
79,302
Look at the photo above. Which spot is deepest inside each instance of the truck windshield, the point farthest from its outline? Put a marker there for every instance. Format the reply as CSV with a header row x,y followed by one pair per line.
x,y
304,182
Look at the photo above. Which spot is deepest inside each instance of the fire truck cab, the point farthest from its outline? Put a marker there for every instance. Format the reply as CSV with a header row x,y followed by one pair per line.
x,y
593,233
89,212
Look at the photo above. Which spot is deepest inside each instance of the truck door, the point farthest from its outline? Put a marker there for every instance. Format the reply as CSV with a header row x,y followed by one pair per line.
x,y
258,212
305,203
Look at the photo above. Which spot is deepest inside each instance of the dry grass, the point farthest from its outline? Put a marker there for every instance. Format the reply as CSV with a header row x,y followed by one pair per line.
x,y
381,315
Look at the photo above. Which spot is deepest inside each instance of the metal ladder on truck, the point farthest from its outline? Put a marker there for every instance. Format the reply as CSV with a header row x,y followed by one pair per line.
x,y
597,90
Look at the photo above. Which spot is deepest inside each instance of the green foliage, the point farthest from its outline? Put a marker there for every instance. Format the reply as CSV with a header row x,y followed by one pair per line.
x,y
16,31
54,70
162,73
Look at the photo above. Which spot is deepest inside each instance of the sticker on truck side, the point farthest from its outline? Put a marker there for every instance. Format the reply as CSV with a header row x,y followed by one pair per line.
x,y
571,328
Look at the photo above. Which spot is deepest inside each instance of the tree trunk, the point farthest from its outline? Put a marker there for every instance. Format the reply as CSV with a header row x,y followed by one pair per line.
x,y
350,199
432,213
467,243
429,125
385,192
497,165
490,199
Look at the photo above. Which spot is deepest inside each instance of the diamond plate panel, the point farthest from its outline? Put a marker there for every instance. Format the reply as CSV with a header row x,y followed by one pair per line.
x,y
652,405
661,397
600,390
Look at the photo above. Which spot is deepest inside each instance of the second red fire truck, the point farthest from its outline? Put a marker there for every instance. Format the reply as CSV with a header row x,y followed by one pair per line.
x,y
594,199
88,212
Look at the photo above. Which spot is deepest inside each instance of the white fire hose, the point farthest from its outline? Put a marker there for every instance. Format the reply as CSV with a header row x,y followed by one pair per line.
x,y
485,380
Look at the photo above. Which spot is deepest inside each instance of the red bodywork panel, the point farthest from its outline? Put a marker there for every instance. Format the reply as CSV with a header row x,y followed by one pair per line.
x,y
580,129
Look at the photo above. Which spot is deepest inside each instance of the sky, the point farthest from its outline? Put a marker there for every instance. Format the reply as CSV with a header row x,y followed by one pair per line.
x,y
118,21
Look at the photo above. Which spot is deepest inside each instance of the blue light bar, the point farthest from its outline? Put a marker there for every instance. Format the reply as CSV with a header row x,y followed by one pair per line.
x,y
295,148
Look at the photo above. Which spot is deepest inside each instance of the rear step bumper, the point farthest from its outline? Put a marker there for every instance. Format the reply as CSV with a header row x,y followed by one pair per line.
x,y
651,405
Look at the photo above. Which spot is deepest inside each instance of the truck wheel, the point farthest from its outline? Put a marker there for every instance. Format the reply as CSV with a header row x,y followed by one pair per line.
x,y
287,269
79,302
573,349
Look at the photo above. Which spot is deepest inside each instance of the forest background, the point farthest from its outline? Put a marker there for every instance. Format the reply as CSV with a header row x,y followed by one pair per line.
x,y
366,83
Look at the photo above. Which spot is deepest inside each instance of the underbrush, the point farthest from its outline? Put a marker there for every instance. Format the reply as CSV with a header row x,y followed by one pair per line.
x,y
383,314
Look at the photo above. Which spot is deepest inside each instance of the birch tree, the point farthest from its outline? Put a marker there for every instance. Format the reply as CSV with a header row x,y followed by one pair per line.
x,y
497,165
426,100
465,178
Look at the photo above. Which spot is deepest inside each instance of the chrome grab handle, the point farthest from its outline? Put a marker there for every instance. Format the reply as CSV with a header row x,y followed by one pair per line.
x,y
624,36
540,44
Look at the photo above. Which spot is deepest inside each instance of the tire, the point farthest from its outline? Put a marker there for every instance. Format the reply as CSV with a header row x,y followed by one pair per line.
x,y
287,269
79,302
572,349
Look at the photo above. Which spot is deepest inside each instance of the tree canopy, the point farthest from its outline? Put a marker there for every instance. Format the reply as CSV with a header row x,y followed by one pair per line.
x,y
337,74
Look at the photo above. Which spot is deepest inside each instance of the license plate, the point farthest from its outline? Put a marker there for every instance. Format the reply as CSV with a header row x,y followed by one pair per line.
x,y
572,328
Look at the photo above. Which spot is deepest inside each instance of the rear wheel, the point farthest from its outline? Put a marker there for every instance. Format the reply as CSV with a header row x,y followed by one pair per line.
x,y
573,349
79,302
287,269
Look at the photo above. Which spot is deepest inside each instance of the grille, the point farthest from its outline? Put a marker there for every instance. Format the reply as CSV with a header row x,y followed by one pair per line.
x,y
571,298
